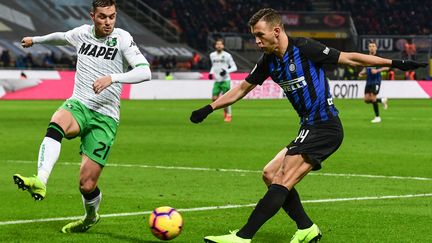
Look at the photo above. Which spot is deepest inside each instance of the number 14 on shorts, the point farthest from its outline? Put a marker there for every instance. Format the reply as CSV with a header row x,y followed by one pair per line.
x,y
302,135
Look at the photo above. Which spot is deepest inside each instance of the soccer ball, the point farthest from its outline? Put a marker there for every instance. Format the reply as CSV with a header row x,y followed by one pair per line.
x,y
165,223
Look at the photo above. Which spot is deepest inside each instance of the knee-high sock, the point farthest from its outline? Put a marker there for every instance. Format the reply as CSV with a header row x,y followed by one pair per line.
x,y
91,203
375,107
228,110
294,209
266,208
49,151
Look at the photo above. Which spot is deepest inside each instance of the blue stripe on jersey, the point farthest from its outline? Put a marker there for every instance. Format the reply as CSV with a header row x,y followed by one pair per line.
x,y
305,86
331,109
319,89
372,79
294,98
324,108
305,91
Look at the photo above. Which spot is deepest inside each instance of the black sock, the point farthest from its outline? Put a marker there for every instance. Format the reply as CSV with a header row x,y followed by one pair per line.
x,y
294,209
375,107
268,206
55,132
92,195
379,100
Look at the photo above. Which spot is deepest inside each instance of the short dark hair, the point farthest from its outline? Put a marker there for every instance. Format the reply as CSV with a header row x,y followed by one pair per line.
x,y
372,42
268,15
103,3
219,39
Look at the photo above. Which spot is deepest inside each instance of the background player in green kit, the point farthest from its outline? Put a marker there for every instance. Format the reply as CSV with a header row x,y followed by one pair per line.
x,y
92,113
222,65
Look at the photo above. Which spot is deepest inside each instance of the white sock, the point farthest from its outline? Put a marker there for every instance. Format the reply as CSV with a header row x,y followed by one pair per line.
x,y
228,110
49,152
91,206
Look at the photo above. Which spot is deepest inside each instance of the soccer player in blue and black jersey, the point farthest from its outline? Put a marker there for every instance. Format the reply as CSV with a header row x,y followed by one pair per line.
x,y
373,84
296,64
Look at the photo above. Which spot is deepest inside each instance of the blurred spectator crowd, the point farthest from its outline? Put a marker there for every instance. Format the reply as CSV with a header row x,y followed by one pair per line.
x,y
383,17
389,17
196,19
216,15
43,61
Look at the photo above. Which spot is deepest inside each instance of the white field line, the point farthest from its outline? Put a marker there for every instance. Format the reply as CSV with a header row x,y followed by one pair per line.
x,y
216,208
234,170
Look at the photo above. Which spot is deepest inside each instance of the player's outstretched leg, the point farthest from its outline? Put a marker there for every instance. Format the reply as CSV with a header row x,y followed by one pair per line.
x,y
311,234
49,152
230,238
32,184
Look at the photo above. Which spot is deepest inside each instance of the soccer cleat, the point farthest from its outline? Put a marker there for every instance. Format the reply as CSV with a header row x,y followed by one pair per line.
x,y
377,119
311,234
230,238
80,226
33,184
228,118
385,103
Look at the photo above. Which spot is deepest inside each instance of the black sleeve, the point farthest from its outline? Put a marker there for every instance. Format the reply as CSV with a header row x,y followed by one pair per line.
x,y
317,52
260,72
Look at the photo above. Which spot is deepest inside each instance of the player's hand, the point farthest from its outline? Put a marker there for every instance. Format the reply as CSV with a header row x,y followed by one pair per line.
x,y
101,83
210,76
27,42
406,65
199,115
223,72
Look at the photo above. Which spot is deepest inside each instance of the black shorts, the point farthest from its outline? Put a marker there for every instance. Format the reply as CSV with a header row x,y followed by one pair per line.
x,y
317,142
373,88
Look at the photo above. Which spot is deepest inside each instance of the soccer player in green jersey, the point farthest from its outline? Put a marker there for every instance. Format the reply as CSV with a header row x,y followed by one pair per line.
x,y
92,113
222,65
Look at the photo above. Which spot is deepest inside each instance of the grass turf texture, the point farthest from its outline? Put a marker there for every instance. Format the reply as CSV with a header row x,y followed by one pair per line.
x,y
158,133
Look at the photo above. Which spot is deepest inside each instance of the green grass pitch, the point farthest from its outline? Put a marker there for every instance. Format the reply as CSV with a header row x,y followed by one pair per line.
x,y
157,148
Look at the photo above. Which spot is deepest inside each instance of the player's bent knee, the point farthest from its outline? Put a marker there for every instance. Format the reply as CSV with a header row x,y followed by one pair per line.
x,y
87,186
267,177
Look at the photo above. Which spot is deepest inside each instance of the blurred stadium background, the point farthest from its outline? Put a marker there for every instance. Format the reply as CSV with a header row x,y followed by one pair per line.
x,y
176,37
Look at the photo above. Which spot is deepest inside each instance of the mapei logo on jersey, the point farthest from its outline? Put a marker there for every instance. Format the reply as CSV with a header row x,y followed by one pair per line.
x,y
326,50
107,53
111,41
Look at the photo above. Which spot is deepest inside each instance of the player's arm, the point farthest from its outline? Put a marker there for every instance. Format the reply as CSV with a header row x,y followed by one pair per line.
x,y
358,59
257,76
225,100
211,72
140,68
232,67
233,95
210,75
362,73
57,38
378,70
320,53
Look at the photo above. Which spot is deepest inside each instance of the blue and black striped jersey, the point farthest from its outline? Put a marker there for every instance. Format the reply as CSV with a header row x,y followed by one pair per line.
x,y
372,79
301,76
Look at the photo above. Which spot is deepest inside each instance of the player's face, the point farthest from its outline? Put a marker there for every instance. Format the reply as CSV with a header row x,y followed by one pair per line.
x,y
265,36
372,48
219,46
104,19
